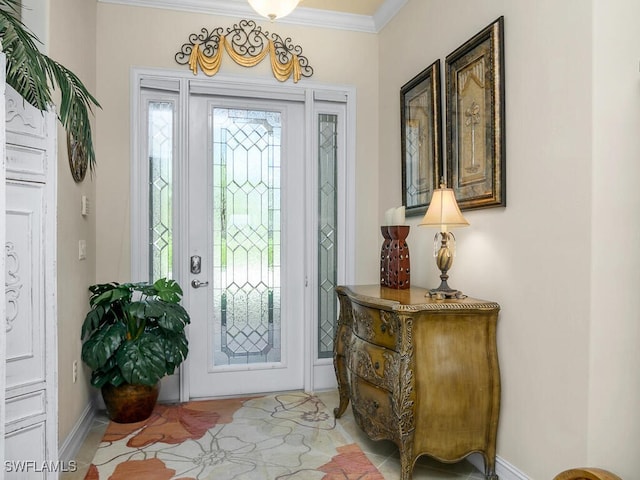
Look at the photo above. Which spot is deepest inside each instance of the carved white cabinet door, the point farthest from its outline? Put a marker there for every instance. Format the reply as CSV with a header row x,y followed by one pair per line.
x,y
30,412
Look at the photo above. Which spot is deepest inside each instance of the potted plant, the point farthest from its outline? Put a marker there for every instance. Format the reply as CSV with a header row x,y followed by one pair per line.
x,y
134,334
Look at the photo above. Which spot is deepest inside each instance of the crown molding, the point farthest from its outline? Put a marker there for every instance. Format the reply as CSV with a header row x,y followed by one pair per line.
x,y
300,16
386,12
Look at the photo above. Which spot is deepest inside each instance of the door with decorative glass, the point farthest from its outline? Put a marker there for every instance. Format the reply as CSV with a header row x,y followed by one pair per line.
x,y
255,194
246,245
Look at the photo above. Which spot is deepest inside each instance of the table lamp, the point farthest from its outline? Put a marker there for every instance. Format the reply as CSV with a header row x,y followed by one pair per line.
x,y
444,213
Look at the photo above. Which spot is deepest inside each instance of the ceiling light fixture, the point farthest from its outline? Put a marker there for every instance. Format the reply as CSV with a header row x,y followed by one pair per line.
x,y
274,9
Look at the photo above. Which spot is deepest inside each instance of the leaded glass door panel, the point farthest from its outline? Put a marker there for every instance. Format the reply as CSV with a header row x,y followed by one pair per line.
x,y
245,201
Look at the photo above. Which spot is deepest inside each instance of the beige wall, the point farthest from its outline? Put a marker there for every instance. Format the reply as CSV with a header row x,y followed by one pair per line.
x,y
567,397
614,395
72,42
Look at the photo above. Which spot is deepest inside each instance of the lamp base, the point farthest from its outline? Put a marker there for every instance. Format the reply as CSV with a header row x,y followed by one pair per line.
x,y
444,260
444,290
442,294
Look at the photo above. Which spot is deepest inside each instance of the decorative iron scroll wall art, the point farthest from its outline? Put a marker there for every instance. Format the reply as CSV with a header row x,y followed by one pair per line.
x,y
247,45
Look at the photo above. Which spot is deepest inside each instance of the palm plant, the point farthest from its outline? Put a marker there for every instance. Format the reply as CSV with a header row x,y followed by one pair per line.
x,y
33,75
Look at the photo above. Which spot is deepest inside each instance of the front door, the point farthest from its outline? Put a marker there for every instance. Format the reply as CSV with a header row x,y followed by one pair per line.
x,y
246,245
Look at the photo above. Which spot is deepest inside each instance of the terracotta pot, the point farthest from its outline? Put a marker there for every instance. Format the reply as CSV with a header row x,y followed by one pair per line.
x,y
130,403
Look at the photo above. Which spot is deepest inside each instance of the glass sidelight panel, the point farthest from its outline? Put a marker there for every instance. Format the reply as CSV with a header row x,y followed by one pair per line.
x,y
160,148
327,232
246,236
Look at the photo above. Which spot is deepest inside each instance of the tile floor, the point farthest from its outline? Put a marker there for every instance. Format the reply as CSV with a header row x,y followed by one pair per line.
x,y
383,454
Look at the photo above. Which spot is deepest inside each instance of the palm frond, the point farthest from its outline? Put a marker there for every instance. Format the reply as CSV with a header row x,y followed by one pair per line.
x,y
33,75
25,71
75,105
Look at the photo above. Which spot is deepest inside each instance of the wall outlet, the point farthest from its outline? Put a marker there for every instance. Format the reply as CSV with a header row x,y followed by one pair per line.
x,y
75,371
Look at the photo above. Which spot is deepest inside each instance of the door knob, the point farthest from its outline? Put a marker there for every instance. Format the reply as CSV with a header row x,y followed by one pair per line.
x,y
198,284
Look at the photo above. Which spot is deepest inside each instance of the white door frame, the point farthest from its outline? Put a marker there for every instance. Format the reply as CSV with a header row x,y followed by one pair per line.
x,y
320,372
249,86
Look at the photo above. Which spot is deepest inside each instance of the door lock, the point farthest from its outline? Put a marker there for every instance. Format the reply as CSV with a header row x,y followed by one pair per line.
x,y
198,284
196,264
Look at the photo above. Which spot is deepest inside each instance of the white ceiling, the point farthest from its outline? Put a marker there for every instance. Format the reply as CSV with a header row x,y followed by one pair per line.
x,y
357,15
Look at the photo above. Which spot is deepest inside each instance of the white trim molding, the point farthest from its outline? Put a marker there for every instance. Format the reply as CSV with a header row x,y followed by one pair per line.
x,y
386,12
72,444
504,469
312,17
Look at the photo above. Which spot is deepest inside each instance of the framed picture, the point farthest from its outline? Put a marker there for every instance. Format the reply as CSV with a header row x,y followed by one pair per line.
x,y
420,120
475,120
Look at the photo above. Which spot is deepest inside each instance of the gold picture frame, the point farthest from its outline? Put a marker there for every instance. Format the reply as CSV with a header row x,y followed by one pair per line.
x,y
476,120
420,120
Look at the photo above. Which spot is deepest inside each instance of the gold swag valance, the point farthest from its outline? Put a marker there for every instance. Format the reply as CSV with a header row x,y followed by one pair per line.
x,y
247,45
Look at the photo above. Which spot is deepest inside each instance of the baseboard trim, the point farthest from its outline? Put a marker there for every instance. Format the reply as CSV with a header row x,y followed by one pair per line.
x,y
71,445
504,469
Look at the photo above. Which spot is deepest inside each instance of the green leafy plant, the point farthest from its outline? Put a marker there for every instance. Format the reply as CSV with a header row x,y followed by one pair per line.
x,y
134,332
32,74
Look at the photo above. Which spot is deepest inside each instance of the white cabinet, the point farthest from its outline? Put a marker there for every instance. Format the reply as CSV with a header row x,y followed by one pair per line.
x,y
30,404
3,331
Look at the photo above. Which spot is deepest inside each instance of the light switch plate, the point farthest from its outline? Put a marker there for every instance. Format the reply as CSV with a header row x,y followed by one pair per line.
x,y
82,249
84,210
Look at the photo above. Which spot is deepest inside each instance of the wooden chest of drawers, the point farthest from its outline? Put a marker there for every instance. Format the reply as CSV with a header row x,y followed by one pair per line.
x,y
420,372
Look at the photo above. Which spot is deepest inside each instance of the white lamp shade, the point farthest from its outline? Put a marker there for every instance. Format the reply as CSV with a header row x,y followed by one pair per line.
x,y
443,211
274,9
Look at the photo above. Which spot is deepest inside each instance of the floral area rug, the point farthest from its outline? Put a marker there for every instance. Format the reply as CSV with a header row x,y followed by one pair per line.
x,y
289,436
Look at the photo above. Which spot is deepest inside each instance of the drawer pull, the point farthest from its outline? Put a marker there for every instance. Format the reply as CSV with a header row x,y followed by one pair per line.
x,y
383,328
376,365
376,405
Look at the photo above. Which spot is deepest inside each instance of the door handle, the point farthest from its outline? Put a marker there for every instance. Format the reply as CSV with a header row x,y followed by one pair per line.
x,y
198,284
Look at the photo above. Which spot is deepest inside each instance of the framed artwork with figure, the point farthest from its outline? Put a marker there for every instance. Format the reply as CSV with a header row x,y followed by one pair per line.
x,y
476,120
420,120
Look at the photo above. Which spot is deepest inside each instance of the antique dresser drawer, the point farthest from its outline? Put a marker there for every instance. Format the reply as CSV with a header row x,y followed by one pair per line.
x,y
375,364
420,371
376,326
372,409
